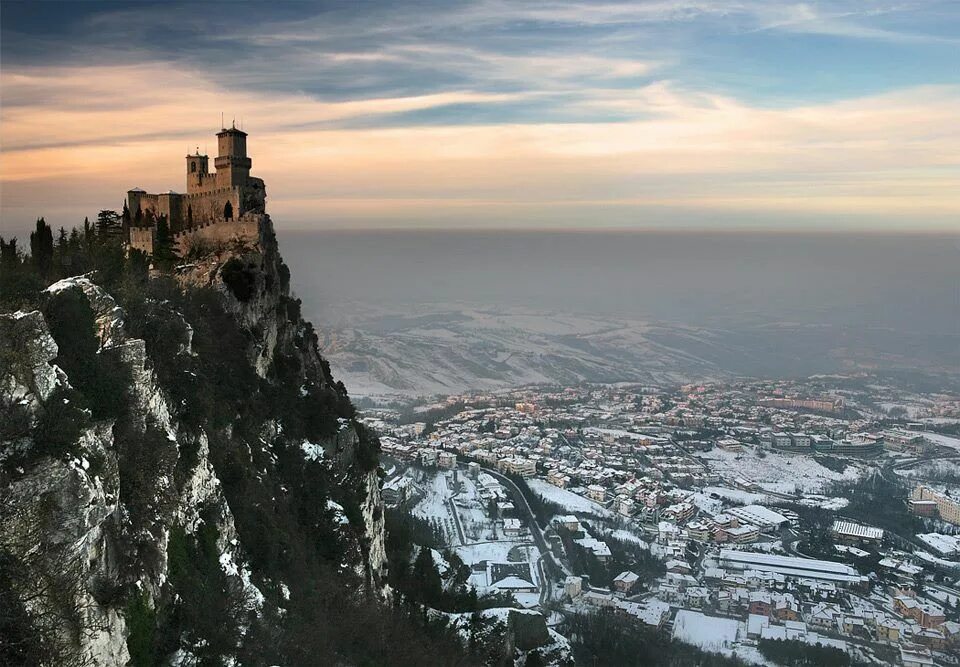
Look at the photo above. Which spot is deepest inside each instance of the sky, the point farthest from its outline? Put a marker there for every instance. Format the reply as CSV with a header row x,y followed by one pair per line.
x,y
666,114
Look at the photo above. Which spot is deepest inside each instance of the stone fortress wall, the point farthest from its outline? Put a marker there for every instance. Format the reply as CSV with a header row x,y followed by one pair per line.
x,y
213,234
185,210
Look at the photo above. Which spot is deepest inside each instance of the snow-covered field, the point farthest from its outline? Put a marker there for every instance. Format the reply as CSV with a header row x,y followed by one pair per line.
x,y
711,633
494,551
736,495
436,349
825,502
944,440
776,472
567,499
483,540
935,469
434,505
626,536
474,520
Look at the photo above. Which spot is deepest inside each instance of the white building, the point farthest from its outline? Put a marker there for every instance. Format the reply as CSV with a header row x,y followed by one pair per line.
x,y
447,460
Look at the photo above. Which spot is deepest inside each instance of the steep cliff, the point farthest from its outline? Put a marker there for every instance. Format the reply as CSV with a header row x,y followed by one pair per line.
x,y
183,481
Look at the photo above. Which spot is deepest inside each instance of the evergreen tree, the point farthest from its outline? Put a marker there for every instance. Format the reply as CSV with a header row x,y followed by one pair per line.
x,y
89,235
163,251
426,578
125,222
41,247
8,251
109,227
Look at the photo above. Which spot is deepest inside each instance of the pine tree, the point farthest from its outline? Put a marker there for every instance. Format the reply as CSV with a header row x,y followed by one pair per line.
x,y
109,227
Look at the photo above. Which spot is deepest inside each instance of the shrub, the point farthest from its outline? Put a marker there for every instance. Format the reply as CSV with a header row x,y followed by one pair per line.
x,y
142,624
241,279
102,378
61,421
14,420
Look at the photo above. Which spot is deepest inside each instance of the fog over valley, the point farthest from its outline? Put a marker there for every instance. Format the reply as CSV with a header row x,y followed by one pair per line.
x,y
441,311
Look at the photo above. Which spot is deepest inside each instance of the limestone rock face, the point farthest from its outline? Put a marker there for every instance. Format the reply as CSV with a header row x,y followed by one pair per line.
x,y
376,561
29,376
108,314
92,529
59,519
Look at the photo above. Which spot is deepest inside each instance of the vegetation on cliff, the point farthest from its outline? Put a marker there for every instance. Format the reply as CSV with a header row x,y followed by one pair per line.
x,y
276,566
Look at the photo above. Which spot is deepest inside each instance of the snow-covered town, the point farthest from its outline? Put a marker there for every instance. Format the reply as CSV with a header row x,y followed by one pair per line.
x,y
759,520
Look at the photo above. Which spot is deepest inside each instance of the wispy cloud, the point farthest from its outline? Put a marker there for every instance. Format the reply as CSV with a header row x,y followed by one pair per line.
x,y
387,112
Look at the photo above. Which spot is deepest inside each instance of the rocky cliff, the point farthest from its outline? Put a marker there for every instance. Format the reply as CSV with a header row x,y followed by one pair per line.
x,y
180,470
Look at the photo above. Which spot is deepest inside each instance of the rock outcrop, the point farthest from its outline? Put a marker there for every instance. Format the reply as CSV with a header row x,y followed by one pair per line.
x,y
95,532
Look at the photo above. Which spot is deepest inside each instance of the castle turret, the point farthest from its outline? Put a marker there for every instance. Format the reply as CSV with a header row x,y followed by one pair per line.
x,y
232,163
198,166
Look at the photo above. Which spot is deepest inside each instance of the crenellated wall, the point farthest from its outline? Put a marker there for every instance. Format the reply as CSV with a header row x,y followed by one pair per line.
x,y
219,232
143,239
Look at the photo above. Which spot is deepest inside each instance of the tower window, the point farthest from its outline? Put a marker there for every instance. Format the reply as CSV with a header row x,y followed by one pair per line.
x,y
193,167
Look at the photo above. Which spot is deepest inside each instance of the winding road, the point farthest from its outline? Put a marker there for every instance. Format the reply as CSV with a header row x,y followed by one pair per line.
x,y
552,570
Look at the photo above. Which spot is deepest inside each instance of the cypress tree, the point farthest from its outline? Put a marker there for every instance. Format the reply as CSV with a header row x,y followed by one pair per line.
x,y
163,250
41,247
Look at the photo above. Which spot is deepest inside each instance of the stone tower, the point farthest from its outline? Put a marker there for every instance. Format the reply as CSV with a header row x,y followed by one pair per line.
x,y
198,170
232,163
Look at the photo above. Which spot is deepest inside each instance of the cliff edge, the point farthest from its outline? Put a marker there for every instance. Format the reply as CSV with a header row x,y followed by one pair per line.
x,y
181,475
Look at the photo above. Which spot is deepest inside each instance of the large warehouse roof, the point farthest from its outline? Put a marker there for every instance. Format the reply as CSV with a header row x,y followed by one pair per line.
x,y
790,566
851,529
758,515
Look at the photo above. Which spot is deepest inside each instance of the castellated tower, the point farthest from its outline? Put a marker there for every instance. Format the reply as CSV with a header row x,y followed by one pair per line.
x,y
198,168
232,161
229,195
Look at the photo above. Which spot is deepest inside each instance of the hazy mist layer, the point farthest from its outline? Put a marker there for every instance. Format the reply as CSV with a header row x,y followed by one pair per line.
x,y
906,283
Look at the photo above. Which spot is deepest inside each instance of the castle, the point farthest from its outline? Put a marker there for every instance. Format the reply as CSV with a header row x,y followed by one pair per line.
x,y
217,206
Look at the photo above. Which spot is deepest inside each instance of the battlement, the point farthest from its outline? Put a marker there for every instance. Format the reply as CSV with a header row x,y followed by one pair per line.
x,y
210,234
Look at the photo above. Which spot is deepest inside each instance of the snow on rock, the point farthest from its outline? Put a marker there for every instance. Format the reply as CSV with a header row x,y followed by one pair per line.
x,y
228,565
34,380
442,565
338,512
311,451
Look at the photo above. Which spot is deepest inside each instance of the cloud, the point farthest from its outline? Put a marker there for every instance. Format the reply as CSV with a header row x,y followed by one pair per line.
x,y
515,111
892,155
